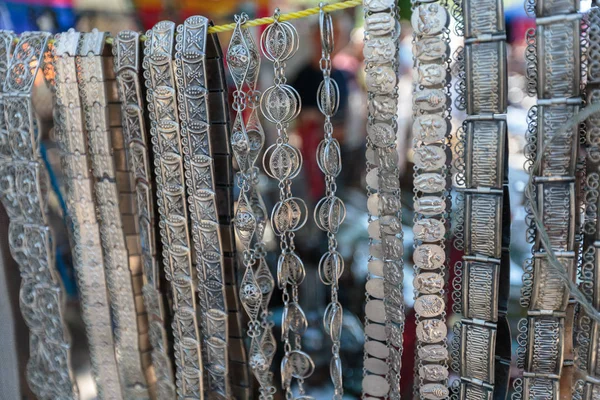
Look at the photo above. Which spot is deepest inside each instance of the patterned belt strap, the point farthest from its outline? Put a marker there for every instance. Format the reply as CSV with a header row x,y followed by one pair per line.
x,y
84,227
251,217
126,51
431,114
483,352
24,187
100,118
554,54
172,206
384,320
588,330
221,153
192,95
280,104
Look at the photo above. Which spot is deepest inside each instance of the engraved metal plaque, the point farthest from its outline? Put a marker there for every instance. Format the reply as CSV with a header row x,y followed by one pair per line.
x,y
483,219
541,388
553,7
482,138
546,342
560,153
480,290
549,291
483,16
485,67
556,204
470,391
478,353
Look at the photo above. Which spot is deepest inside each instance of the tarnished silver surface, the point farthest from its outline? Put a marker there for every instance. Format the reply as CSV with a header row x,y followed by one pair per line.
x,y
84,227
554,58
330,211
192,97
91,77
280,104
24,186
127,66
250,220
385,215
172,206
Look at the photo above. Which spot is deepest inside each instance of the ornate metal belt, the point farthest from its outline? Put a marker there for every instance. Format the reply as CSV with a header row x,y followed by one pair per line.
x,y
384,309
431,125
554,54
24,186
126,51
172,206
483,352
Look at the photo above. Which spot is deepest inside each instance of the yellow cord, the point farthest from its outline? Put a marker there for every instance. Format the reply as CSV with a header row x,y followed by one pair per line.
x,y
268,20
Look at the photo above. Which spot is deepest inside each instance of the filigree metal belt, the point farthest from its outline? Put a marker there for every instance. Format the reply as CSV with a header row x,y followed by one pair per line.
x,y
24,187
192,96
554,53
126,51
430,129
84,227
384,320
91,77
485,344
172,206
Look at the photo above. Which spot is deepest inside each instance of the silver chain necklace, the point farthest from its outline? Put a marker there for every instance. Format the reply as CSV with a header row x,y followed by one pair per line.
x,y
251,217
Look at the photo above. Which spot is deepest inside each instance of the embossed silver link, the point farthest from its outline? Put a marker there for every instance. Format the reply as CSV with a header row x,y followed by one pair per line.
x,y
91,77
172,206
330,211
24,185
483,349
431,112
192,96
127,65
280,104
384,319
554,57
84,229
247,139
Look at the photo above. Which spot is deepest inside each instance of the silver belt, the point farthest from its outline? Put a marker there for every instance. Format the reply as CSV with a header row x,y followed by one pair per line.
x,y
24,184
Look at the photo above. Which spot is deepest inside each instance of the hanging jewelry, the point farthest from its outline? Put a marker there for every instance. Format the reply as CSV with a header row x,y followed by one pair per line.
x,y
431,100
24,187
172,207
330,211
126,51
280,104
384,308
554,53
251,217
484,333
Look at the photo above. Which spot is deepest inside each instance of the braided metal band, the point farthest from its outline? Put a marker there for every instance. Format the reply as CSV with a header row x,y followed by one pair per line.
x,y
127,66
485,334
83,224
546,336
431,112
384,320
192,96
92,71
172,207
24,187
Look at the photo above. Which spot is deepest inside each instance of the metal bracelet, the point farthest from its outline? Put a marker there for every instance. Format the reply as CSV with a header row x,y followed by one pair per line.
x,y
24,188
384,320
545,339
91,78
431,120
127,65
172,206
251,216
192,98
330,211
280,104
84,227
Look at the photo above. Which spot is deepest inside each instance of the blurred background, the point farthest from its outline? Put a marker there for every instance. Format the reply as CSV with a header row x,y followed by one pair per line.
x,y
349,128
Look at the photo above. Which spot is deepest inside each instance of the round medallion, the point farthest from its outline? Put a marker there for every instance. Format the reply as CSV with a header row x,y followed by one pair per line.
x,y
375,385
374,229
429,19
429,158
289,215
381,135
377,349
379,24
376,267
280,103
381,79
383,108
329,214
430,128
429,230
379,50
430,206
429,305
434,391
433,372
375,311
378,5
433,353
429,256
430,75
430,49
376,331
430,183
430,99
373,178
373,204
282,162
431,330
279,41
428,283
374,288
376,366
390,224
